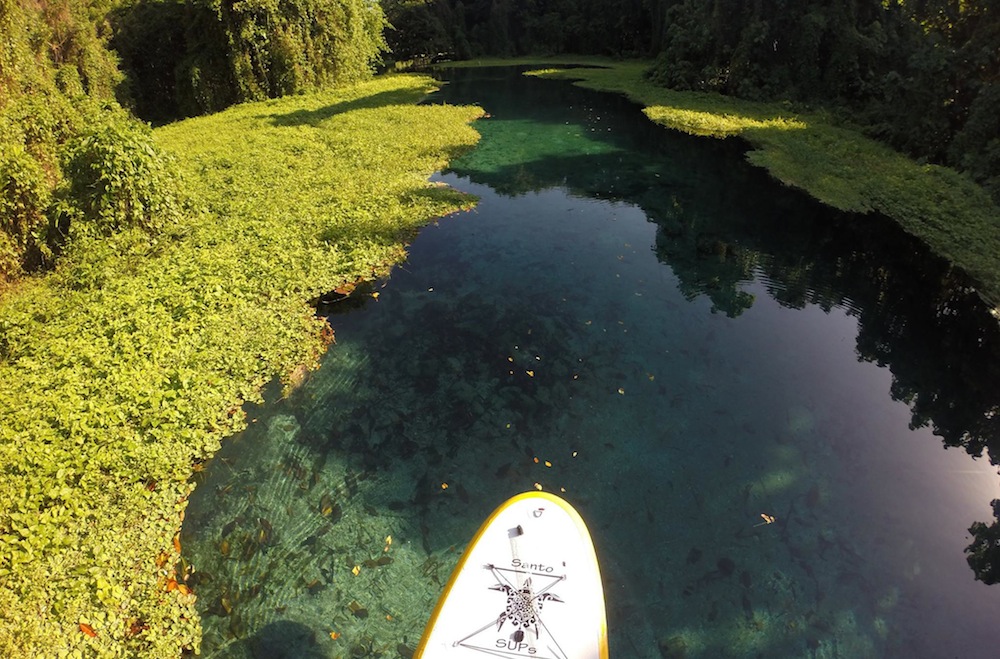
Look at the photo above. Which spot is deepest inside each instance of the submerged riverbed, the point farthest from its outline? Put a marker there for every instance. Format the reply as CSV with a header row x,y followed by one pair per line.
x,y
645,323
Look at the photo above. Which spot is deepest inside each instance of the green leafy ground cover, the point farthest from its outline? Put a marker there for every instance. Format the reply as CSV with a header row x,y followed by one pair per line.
x,y
124,368
835,164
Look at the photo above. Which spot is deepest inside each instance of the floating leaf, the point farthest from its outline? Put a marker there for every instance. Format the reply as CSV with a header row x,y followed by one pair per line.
x,y
768,519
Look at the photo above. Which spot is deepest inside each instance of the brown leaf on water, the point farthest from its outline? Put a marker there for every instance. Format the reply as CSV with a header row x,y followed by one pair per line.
x,y
345,289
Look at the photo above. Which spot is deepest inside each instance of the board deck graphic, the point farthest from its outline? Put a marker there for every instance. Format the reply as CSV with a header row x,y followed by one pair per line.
x,y
527,586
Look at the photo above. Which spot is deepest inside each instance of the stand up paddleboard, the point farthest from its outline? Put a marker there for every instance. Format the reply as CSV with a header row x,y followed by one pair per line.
x,y
528,586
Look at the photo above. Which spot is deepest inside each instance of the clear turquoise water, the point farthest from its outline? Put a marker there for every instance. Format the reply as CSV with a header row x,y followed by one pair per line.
x,y
690,346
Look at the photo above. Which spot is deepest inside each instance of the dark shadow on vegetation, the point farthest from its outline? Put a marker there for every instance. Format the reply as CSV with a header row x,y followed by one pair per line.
x,y
315,117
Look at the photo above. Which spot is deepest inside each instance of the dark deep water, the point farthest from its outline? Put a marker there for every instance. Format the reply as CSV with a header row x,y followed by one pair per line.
x,y
691,346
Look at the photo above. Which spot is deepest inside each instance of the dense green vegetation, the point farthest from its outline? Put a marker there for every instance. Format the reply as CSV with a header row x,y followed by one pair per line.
x,y
920,75
188,57
128,364
71,155
57,84
171,269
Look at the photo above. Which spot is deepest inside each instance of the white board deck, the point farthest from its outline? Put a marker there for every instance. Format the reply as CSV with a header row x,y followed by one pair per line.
x,y
528,585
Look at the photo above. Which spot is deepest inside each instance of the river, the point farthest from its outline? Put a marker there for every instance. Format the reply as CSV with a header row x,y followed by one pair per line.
x,y
748,397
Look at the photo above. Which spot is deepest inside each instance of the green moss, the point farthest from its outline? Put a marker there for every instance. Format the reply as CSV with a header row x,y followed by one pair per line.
x,y
130,363
835,164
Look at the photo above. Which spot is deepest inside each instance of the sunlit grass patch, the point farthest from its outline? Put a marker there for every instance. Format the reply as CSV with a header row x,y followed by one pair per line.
x,y
711,124
131,361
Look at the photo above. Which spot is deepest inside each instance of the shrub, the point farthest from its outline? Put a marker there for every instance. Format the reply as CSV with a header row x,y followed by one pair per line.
x,y
118,179
24,195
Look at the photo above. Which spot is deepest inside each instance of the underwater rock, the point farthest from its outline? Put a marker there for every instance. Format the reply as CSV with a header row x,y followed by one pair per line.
x,y
674,647
813,497
283,428
800,420
285,639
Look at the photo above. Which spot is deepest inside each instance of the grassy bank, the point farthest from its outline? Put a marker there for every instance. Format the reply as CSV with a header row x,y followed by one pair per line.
x,y
835,164
123,369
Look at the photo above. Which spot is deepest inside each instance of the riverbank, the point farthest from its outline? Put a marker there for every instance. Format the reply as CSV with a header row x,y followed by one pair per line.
x,y
808,150
124,369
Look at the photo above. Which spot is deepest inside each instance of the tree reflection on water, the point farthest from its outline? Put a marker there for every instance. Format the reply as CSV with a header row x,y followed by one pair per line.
x,y
916,315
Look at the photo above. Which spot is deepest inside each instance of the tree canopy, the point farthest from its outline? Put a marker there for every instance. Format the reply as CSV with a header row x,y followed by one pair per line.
x,y
920,75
